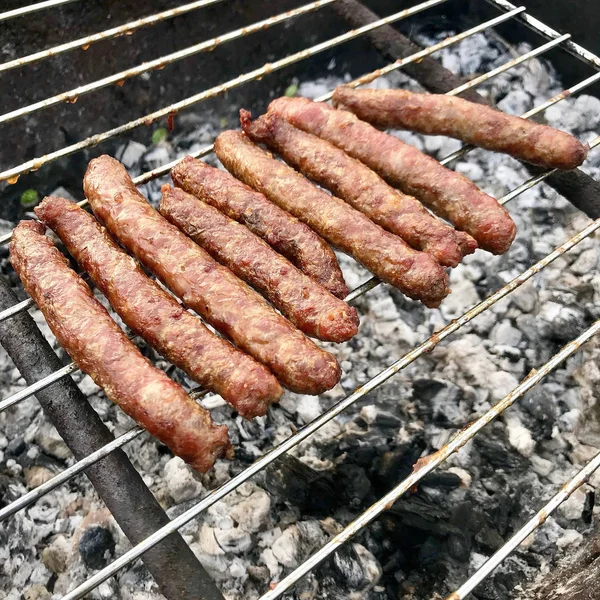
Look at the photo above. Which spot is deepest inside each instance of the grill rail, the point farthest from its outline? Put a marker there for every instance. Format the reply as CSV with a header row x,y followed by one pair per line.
x,y
424,465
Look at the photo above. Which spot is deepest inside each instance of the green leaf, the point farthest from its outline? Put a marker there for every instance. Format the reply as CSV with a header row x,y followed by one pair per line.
x,y
160,135
29,198
291,90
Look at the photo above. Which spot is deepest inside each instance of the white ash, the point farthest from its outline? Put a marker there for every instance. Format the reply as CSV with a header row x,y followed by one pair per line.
x,y
433,538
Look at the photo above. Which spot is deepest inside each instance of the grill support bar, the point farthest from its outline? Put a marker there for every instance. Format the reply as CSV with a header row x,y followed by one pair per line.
x,y
172,564
428,463
306,431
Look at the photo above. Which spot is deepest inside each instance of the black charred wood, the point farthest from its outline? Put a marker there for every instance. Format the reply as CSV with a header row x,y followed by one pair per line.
x,y
173,565
314,493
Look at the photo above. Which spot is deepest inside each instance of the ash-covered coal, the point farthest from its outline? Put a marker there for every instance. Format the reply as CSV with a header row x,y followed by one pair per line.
x,y
436,535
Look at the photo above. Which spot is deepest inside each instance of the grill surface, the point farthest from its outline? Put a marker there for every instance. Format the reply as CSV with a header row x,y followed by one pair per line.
x,y
507,11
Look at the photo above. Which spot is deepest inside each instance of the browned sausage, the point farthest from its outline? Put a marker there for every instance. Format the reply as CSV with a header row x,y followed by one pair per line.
x,y
476,124
154,314
361,187
449,194
210,289
308,305
286,234
99,348
415,273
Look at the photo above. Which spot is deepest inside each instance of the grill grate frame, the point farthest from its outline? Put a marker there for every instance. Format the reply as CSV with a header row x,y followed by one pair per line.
x,y
507,11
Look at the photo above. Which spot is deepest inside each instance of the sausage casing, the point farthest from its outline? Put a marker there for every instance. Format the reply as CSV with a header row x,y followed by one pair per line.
x,y
154,314
450,195
99,348
308,305
361,187
205,286
476,124
287,235
415,273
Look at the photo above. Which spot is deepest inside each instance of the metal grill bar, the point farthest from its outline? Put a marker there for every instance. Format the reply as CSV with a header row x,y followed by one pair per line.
x,y
536,521
428,463
27,10
306,431
11,175
125,29
163,61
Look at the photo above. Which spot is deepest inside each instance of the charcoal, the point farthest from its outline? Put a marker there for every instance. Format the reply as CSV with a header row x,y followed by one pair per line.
x,y
299,485
488,539
96,546
353,484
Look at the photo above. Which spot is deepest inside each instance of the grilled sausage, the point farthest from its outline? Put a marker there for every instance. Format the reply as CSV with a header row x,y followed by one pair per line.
x,y
210,289
99,348
416,274
286,234
154,314
476,124
450,195
361,187
309,306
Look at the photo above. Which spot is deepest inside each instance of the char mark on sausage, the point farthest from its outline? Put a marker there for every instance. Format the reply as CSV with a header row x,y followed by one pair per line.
x,y
286,234
205,286
415,273
361,187
450,195
308,305
154,314
476,124
99,348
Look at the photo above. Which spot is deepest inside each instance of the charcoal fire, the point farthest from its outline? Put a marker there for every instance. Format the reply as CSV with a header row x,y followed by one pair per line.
x,y
434,537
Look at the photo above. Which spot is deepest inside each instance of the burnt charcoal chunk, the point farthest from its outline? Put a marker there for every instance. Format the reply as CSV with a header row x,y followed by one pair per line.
x,y
352,483
96,546
299,485
488,539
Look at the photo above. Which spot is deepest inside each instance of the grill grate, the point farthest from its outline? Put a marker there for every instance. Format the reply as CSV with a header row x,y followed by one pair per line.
x,y
424,465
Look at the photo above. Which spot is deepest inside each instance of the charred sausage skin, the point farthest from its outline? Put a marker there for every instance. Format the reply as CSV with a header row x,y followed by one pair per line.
x,y
350,180
415,273
476,124
287,235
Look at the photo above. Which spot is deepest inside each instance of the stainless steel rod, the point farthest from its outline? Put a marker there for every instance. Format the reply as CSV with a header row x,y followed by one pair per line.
x,y
306,431
88,40
536,521
31,8
428,463
12,175
161,62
